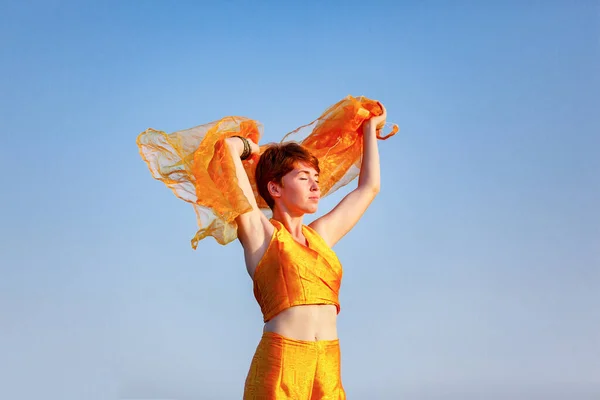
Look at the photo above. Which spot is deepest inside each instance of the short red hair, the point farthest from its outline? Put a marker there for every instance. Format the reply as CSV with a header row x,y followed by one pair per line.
x,y
277,161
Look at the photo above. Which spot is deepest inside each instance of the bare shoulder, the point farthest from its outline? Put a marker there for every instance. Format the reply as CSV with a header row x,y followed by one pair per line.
x,y
319,226
254,232
253,227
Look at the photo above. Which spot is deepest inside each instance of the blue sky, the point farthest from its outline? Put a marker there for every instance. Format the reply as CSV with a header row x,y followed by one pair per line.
x,y
475,273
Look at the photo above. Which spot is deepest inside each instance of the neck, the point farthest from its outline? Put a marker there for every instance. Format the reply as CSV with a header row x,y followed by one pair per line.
x,y
293,223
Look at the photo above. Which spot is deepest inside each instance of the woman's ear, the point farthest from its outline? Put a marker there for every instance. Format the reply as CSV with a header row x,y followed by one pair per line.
x,y
274,189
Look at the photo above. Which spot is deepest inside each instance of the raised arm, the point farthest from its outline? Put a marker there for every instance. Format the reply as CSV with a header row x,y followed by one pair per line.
x,y
253,226
339,221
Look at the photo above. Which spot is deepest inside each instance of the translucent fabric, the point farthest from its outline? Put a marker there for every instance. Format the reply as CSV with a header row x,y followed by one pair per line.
x,y
196,165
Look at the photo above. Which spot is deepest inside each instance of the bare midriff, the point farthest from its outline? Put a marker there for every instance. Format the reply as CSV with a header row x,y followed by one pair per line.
x,y
306,322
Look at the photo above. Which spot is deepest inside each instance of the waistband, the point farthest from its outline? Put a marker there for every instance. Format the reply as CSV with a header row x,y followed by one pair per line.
x,y
273,336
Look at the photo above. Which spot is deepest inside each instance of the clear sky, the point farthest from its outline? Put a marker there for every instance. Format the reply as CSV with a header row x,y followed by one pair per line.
x,y
475,274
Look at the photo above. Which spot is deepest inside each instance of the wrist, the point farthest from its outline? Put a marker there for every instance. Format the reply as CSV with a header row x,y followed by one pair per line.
x,y
240,145
369,128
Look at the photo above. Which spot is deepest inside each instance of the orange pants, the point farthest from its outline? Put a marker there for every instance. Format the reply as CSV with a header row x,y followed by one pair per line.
x,y
284,368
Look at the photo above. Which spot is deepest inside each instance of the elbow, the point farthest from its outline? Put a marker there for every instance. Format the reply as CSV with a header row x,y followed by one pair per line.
x,y
371,188
374,189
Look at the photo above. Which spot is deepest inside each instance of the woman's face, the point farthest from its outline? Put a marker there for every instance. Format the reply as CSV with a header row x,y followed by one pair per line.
x,y
299,192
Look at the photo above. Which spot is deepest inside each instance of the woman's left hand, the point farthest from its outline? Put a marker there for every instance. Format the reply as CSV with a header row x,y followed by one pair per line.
x,y
377,121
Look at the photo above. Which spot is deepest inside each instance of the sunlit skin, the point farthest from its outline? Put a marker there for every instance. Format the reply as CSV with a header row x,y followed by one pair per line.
x,y
297,195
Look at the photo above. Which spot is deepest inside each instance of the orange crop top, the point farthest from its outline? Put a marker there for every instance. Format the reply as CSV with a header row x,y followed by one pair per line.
x,y
290,274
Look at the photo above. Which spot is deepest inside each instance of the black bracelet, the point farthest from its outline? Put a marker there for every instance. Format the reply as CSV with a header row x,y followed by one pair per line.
x,y
247,150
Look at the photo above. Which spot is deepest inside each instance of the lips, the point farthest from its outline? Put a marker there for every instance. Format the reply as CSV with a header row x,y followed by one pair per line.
x,y
314,198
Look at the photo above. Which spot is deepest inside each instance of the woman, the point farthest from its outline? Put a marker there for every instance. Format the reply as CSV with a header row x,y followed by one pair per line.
x,y
298,356
230,181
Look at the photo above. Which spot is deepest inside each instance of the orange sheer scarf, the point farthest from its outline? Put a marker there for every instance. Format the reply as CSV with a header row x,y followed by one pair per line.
x,y
195,163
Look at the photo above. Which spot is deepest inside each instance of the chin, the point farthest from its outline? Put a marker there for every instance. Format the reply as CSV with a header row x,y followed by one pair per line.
x,y
311,209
